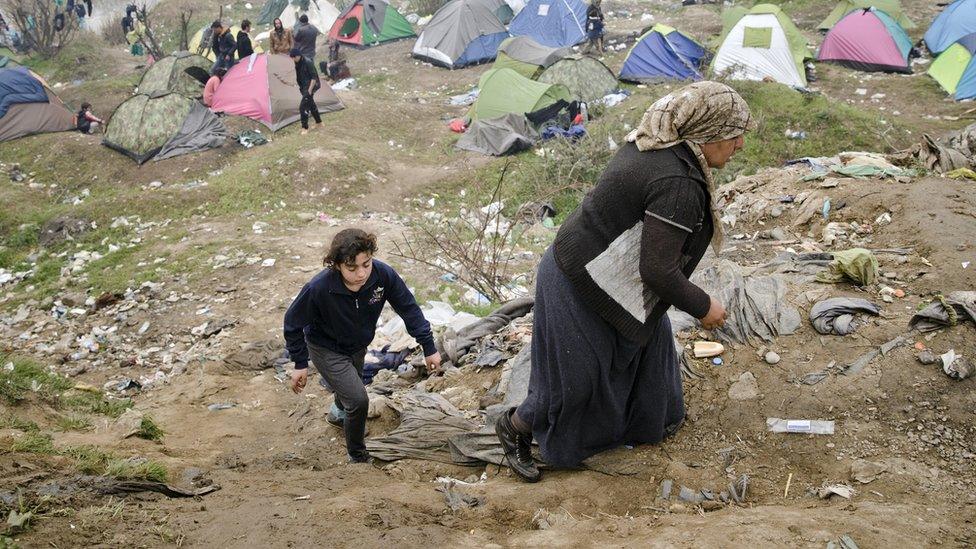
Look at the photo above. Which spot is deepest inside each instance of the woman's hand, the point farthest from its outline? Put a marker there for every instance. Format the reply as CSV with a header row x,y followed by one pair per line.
x,y
298,380
715,318
433,363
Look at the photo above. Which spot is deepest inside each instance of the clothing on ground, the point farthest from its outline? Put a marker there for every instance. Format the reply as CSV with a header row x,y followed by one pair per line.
x,y
836,315
946,311
592,389
856,265
343,373
329,315
703,112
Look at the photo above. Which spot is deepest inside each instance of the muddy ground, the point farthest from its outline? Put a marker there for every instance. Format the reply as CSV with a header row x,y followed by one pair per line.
x,y
281,468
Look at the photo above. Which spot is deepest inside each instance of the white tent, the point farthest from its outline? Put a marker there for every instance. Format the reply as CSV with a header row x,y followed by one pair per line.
x,y
321,13
740,62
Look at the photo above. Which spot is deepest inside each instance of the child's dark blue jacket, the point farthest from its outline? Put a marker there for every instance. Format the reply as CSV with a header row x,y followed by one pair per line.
x,y
327,314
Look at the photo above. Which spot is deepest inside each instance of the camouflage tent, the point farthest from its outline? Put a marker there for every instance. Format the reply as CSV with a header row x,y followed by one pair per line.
x,y
169,75
586,77
162,126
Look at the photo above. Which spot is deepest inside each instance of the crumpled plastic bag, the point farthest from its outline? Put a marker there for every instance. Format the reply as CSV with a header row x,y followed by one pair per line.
x,y
250,138
945,311
962,173
836,315
857,265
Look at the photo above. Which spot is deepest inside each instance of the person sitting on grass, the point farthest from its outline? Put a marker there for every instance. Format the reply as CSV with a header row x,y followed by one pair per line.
x,y
87,121
333,320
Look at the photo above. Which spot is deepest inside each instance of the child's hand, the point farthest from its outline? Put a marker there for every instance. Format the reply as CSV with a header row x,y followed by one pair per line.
x,y
298,380
433,363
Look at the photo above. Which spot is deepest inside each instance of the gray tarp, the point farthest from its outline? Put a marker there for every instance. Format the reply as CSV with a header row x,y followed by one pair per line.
x,y
507,134
756,305
836,315
272,10
459,23
527,50
456,344
428,421
947,311
201,130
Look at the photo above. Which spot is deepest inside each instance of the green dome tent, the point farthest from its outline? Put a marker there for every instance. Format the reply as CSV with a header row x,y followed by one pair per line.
x,y
526,56
891,7
169,75
162,126
505,91
586,78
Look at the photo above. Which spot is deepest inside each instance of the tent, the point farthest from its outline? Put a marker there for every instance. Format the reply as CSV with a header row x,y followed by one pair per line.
x,y
664,53
504,91
507,134
955,22
270,11
201,41
464,32
263,87
586,78
553,23
868,40
320,13
28,106
761,43
955,70
162,126
369,22
169,74
526,56
891,7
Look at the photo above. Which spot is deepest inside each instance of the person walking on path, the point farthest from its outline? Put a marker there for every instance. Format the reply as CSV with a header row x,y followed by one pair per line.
x,y
308,84
594,26
244,48
333,320
281,38
305,36
604,368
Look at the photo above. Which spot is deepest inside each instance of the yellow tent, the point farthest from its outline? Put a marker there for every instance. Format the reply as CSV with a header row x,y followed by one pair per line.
x,y
204,49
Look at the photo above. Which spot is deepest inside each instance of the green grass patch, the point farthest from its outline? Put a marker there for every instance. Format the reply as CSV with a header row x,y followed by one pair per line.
x,y
11,421
25,377
96,403
90,460
74,423
34,443
149,429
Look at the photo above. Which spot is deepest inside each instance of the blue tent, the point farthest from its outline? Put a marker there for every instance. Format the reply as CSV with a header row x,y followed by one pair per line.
x,y
956,21
18,86
553,23
664,53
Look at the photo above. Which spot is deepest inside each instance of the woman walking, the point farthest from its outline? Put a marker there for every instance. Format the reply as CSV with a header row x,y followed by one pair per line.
x,y
604,367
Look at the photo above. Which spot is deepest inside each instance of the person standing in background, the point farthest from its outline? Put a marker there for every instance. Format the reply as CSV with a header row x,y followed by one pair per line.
x,y
306,34
244,48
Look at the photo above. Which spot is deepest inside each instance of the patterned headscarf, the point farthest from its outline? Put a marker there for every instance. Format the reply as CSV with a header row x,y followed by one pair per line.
x,y
703,112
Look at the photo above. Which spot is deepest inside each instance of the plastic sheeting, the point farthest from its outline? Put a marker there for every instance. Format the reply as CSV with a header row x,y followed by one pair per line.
x,y
756,305
455,344
201,130
836,315
428,423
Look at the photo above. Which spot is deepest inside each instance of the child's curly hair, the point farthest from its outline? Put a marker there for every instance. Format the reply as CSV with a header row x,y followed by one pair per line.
x,y
346,245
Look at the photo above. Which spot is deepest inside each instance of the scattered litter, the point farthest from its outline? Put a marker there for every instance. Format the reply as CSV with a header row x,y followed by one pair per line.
x,y
945,311
708,349
808,426
463,99
457,499
717,361
345,84
956,367
856,265
220,406
836,315
845,542
845,491
303,498
251,138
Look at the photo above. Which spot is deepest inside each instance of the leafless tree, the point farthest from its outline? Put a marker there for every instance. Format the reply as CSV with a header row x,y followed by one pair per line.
x,y
476,247
147,37
186,14
44,28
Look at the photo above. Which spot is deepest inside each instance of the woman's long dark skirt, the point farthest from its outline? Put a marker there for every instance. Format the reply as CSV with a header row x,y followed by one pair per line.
x,y
590,388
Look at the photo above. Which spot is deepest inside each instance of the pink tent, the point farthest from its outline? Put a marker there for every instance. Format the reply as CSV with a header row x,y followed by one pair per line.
x,y
867,40
263,87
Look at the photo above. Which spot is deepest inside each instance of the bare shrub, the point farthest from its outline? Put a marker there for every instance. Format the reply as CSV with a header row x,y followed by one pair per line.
x,y
38,22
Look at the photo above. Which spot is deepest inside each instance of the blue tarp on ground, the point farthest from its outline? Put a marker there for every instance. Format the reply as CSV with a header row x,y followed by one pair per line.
x,y
664,53
956,21
18,86
553,23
